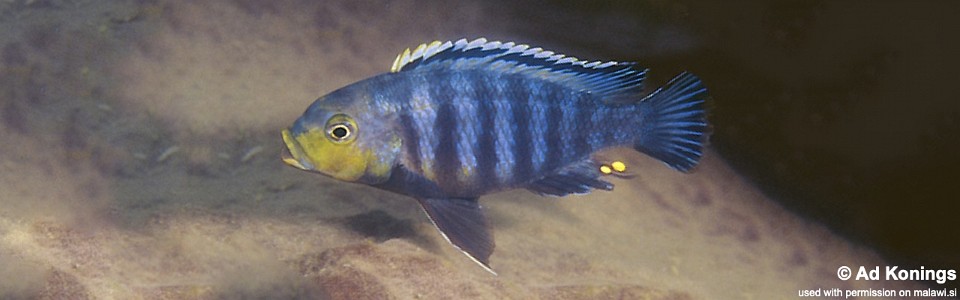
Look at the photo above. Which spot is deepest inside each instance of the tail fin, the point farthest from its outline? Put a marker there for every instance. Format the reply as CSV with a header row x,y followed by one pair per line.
x,y
675,123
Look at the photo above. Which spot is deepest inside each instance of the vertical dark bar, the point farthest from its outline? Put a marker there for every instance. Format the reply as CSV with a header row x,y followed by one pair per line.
x,y
446,163
523,169
411,137
583,127
553,133
487,152
609,124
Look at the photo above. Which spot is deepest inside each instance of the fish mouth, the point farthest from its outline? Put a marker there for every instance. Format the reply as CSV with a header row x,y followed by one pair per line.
x,y
288,158
292,153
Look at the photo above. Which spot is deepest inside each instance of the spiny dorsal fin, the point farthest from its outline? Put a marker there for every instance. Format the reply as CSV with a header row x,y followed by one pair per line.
x,y
422,52
607,78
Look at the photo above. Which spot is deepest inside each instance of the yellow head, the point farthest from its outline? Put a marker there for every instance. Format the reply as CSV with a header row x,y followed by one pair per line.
x,y
354,147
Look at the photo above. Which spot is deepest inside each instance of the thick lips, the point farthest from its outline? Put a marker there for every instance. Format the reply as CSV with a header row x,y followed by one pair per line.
x,y
285,153
286,156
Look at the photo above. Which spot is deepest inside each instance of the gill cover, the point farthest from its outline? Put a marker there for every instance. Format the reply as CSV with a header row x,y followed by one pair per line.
x,y
340,149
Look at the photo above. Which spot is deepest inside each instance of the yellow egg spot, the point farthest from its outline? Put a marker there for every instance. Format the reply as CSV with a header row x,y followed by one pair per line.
x,y
619,166
605,169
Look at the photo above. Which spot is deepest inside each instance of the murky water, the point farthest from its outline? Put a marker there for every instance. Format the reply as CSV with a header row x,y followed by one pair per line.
x,y
140,143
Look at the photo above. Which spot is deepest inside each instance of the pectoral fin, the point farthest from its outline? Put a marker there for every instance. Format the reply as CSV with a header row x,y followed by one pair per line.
x,y
462,223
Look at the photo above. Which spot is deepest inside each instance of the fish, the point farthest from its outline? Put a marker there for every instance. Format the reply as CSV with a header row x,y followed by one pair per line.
x,y
453,121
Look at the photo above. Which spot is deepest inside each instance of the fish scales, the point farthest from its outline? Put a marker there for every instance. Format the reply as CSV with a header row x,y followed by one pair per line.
x,y
518,92
456,160
512,156
468,128
423,112
487,141
538,126
581,137
569,114
554,135
504,129
464,105
445,151
408,128
453,121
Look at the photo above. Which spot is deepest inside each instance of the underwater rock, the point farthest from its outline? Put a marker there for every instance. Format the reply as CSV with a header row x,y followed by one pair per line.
x,y
601,292
61,285
347,283
338,278
393,269
183,292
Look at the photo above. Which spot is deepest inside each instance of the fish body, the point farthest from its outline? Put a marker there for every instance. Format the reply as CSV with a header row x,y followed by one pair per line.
x,y
457,120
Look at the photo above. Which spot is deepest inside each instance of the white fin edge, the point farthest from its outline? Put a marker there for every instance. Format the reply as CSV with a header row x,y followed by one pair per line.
x,y
424,51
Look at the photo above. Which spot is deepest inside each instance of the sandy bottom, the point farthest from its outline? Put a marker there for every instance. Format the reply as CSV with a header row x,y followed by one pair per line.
x,y
139,160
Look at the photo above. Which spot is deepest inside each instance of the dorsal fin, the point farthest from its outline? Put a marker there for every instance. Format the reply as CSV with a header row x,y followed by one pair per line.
x,y
605,78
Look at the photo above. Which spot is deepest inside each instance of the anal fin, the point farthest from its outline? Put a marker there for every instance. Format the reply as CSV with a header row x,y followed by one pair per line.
x,y
461,222
579,178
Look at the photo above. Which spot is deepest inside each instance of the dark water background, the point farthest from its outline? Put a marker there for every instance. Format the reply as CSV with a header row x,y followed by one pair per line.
x,y
861,129
845,112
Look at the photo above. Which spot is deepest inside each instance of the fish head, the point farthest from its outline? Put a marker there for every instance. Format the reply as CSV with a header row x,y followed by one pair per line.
x,y
345,143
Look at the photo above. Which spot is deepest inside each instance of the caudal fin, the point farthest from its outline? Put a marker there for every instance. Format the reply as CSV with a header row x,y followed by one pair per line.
x,y
675,123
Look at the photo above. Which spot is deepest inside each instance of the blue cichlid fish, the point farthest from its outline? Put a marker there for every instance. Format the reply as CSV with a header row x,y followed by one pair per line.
x,y
453,121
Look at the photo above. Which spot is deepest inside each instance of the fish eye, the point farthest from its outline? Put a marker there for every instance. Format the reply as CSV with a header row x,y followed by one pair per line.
x,y
341,128
339,132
